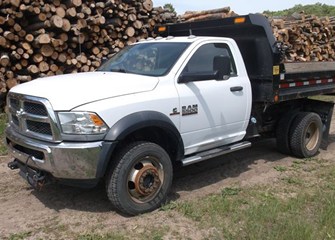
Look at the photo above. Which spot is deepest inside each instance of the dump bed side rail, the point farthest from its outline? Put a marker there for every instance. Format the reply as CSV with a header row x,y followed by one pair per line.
x,y
306,79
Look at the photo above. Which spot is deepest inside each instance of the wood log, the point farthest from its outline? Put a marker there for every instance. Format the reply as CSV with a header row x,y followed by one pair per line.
x,y
29,37
130,31
71,12
33,69
11,83
9,35
4,60
61,12
37,58
56,21
138,24
194,14
43,38
66,25
54,68
43,67
23,78
26,46
3,42
47,50
15,3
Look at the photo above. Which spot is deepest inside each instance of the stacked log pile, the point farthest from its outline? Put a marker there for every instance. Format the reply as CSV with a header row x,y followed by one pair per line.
x,y
42,38
307,38
191,16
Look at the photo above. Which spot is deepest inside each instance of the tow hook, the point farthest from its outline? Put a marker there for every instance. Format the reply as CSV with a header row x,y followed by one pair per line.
x,y
13,165
36,180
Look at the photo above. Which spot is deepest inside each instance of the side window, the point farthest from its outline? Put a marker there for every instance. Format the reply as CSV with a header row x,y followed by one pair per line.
x,y
203,59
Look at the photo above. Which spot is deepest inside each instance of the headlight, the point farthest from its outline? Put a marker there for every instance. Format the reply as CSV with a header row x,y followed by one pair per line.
x,y
81,123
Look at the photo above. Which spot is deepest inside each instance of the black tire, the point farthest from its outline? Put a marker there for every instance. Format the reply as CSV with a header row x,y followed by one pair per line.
x,y
140,179
306,135
283,131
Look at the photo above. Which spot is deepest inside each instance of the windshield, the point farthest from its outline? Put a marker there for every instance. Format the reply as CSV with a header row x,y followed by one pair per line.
x,y
150,59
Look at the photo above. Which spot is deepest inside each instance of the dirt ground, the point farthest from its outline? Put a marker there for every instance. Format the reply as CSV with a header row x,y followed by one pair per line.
x,y
61,212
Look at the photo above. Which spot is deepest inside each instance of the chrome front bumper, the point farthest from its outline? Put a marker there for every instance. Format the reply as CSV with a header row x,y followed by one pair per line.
x,y
66,160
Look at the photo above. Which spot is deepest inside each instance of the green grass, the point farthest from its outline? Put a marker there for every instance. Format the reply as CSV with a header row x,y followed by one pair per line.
x,y
326,98
3,120
290,209
20,236
149,234
280,168
101,237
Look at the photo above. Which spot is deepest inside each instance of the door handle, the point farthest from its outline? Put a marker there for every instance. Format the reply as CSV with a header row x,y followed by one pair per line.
x,y
236,89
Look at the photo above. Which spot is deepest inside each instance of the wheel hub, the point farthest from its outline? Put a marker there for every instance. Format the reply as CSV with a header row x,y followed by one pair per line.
x,y
147,181
312,136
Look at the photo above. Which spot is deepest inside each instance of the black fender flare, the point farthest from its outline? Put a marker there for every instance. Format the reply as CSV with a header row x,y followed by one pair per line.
x,y
139,120
133,122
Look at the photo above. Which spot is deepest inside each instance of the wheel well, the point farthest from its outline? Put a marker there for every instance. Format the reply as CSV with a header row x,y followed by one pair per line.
x,y
167,140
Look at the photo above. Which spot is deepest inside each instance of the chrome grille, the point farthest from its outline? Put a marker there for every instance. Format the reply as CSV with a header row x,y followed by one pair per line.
x,y
39,127
33,117
35,108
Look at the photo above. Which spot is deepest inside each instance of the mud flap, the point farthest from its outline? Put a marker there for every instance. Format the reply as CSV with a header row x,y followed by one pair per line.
x,y
325,111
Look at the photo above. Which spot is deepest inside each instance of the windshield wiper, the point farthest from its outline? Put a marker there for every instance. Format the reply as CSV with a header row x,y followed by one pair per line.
x,y
121,70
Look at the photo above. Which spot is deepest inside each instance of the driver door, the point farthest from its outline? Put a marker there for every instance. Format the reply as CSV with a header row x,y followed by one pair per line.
x,y
213,112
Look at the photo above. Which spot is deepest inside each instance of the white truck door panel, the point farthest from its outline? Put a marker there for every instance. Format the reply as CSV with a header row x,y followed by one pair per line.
x,y
213,113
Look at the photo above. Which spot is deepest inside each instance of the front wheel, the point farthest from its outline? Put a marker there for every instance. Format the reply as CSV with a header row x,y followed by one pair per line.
x,y
140,178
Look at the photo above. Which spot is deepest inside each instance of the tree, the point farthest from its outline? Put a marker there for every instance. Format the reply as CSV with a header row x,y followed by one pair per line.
x,y
317,9
170,7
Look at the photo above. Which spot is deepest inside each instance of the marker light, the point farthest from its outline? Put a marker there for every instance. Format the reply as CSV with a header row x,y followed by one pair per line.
x,y
162,29
239,20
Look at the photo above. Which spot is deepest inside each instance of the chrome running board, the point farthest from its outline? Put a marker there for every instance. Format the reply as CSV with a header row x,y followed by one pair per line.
x,y
202,156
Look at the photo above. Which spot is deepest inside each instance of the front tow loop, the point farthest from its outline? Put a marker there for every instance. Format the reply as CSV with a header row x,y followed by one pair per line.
x,y
36,178
13,165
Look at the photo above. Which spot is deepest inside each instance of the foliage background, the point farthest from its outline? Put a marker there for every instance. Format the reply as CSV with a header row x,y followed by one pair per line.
x,y
318,9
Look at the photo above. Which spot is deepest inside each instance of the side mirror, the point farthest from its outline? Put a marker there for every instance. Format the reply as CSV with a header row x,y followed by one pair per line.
x,y
222,65
197,76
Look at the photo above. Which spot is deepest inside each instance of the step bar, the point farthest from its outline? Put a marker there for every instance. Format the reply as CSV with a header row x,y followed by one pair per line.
x,y
214,153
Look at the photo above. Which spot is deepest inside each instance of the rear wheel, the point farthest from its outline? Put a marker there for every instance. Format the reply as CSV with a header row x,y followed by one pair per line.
x,y
306,134
283,131
140,179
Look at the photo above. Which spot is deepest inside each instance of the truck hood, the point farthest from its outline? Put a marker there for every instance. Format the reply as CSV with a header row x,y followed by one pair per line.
x,y
68,91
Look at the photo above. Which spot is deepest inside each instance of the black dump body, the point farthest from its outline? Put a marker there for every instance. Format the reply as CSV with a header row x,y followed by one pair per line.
x,y
263,57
